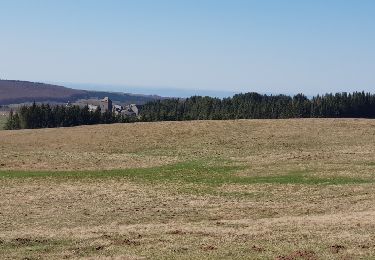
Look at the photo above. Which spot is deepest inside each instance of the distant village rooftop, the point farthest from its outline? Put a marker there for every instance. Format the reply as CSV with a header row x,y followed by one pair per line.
x,y
106,104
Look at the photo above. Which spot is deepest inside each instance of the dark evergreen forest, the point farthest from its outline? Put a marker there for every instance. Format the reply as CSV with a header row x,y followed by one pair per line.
x,y
46,116
257,106
240,106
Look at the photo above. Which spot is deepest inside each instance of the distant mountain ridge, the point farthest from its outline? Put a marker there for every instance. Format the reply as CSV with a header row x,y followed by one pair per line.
x,y
16,92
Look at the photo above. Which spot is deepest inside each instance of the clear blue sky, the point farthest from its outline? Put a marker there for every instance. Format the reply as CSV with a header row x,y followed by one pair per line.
x,y
272,46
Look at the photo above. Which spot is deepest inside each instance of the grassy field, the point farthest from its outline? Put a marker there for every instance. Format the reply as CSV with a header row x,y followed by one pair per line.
x,y
247,189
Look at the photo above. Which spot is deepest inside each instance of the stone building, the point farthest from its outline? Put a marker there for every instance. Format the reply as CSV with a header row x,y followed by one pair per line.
x,y
105,104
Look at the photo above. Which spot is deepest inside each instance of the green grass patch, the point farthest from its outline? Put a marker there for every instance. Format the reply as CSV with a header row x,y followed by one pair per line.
x,y
301,178
192,172
3,120
28,246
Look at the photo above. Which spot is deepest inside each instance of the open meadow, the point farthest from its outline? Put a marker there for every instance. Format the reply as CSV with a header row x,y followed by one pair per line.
x,y
244,189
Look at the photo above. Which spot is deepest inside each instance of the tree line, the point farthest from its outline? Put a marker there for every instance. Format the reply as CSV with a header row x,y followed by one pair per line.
x,y
46,116
240,106
257,106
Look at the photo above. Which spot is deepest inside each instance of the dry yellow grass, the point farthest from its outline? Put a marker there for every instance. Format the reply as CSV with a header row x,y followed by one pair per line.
x,y
331,141
127,218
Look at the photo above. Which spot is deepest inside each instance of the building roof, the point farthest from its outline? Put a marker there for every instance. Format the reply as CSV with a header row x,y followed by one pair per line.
x,y
106,99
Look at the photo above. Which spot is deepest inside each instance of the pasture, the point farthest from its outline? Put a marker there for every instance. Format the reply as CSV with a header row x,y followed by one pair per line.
x,y
244,189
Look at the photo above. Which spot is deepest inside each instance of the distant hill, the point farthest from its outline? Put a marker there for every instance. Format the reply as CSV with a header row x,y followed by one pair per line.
x,y
16,92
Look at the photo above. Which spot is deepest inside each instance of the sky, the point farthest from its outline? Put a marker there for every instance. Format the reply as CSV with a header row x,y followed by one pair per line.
x,y
267,46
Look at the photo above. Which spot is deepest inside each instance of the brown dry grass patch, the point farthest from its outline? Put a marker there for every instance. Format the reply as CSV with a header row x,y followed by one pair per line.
x,y
259,143
109,218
